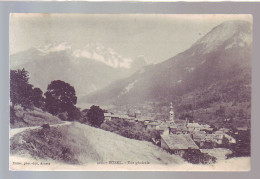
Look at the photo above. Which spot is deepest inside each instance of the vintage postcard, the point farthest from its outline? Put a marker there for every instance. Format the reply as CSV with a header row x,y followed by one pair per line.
x,y
130,92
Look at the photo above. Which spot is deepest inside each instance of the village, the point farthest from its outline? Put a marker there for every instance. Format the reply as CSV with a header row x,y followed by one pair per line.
x,y
179,136
129,92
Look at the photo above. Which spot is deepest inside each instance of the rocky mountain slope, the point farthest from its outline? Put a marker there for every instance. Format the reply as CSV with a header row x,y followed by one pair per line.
x,y
216,69
87,69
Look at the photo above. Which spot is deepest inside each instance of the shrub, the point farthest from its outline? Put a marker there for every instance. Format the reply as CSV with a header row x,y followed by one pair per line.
x,y
45,143
197,157
242,146
95,116
130,129
63,116
45,126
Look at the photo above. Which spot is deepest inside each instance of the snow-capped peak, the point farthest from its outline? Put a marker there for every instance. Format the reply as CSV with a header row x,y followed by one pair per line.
x,y
105,55
53,47
92,51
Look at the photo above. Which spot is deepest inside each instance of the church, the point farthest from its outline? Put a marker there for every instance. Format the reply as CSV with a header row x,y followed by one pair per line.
x,y
177,140
180,135
176,126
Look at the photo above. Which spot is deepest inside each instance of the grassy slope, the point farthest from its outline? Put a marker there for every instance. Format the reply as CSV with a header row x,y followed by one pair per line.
x,y
82,144
86,145
35,117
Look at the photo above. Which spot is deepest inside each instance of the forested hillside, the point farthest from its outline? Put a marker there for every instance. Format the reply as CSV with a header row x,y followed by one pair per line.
x,y
213,74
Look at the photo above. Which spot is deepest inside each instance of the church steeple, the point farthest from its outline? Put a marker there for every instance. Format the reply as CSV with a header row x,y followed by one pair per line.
x,y
171,113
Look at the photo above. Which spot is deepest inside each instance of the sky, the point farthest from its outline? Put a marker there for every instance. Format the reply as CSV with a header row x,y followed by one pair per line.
x,y
157,37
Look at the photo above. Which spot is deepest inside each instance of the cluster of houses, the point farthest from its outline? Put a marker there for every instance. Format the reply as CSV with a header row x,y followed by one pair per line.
x,y
179,136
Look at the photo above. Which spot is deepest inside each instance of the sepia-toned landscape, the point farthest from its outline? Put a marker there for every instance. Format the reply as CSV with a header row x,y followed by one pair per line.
x,y
130,92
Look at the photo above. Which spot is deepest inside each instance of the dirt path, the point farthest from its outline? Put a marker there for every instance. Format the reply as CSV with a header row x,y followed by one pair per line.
x,y
15,131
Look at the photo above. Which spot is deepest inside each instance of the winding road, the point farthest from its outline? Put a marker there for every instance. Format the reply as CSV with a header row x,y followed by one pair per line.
x,y
15,131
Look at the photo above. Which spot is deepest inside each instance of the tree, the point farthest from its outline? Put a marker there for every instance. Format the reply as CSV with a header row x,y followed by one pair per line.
x,y
221,112
74,114
60,97
95,116
20,89
37,98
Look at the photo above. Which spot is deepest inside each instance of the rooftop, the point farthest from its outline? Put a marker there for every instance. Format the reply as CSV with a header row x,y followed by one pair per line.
x,y
208,136
181,141
193,125
107,114
153,123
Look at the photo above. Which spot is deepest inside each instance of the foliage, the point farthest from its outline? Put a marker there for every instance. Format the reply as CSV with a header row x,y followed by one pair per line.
x,y
22,92
74,114
206,145
20,89
60,97
197,157
37,98
45,143
95,116
46,126
130,129
14,118
20,117
221,112
187,116
242,146
63,116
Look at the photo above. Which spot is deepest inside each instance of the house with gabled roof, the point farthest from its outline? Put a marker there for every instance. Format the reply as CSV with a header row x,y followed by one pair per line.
x,y
204,138
178,144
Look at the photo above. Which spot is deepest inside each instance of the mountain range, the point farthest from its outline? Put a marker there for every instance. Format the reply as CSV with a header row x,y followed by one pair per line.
x,y
87,69
214,70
